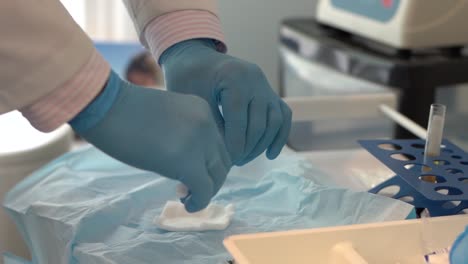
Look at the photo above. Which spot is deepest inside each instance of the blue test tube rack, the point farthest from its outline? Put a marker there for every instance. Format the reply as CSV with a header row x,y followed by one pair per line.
x,y
448,195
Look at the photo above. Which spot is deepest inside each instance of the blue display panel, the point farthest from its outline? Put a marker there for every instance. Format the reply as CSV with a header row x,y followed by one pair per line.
x,y
380,10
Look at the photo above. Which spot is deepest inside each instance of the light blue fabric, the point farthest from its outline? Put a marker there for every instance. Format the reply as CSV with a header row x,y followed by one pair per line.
x,y
254,118
158,131
88,208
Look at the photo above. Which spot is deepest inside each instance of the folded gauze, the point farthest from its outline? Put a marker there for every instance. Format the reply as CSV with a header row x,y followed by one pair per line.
x,y
174,217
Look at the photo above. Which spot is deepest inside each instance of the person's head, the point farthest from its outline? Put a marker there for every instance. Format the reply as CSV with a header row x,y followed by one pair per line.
x,y
142,70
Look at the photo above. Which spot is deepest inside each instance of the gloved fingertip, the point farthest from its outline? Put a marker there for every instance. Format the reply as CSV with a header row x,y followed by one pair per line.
x,y
192,206
235,155
235,138
246,160
273,153
242,163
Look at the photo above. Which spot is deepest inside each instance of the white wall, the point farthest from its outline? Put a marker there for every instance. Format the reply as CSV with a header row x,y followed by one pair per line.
x,y
251,28
103,20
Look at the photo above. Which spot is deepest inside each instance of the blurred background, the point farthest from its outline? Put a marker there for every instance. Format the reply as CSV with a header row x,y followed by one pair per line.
x,y
108,23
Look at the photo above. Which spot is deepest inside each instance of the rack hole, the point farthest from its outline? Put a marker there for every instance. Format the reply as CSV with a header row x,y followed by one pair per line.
x,y
441,162
451,204
408,199
448,190
456,157
390,191
417,167
432,178
389,146
464,162
418,146
463,180
402,157
454,171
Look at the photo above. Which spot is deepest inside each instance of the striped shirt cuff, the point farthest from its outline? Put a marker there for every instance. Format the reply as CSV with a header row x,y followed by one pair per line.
x,y
65,102
174,27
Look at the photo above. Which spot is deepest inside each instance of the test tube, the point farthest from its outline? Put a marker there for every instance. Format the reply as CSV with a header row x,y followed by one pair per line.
x,y
435,131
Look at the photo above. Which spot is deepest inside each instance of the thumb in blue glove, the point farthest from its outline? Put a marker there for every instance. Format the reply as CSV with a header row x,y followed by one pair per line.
x,y
253,119
459,251
172,134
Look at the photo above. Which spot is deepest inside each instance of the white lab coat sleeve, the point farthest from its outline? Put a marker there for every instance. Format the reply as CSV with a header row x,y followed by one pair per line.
x,y
172,28
70,98
41,48
143,12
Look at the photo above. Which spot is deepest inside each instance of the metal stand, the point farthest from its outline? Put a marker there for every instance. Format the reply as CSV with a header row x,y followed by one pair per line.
x,y
416,74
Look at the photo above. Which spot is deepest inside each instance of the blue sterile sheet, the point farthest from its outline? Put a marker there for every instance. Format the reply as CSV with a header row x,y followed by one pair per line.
x,y
86,207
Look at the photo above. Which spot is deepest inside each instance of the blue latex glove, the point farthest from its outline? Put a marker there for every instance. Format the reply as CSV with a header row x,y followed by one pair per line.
x,y
164,132
459,251
253,119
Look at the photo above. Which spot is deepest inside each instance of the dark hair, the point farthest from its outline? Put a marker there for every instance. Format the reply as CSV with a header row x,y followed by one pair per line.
x,y
144,63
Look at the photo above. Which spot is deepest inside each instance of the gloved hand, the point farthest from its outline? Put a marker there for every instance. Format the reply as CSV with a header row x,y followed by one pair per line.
x,y
164,132
459,251
253,117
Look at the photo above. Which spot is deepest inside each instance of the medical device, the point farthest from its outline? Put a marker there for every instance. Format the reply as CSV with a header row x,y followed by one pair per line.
x,y
403,24
318,60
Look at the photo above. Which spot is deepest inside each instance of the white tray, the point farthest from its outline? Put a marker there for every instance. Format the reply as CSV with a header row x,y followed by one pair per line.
x,y
389,242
